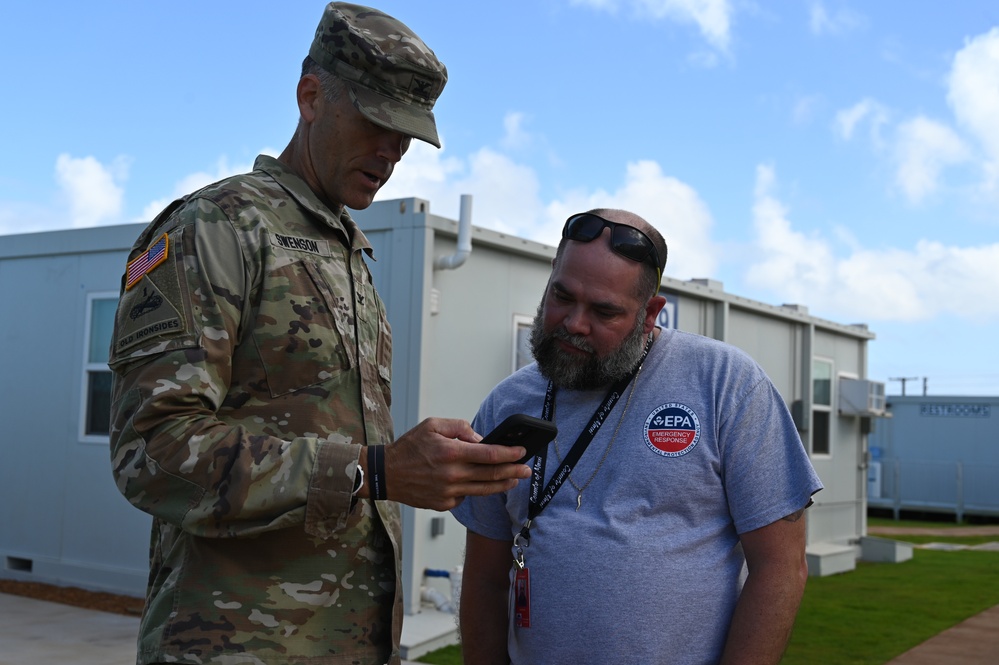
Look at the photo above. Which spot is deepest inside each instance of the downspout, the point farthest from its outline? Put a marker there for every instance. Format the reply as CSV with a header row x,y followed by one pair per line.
x,y
457,259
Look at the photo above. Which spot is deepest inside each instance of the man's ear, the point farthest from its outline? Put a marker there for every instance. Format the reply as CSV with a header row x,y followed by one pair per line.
x,y
652,309
309,94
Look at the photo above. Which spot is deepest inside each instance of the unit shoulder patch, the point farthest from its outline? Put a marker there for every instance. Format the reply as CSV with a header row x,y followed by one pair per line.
x,y
146,314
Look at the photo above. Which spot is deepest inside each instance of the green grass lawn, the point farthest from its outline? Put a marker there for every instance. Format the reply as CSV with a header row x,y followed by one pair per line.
x,y
878,611
447,656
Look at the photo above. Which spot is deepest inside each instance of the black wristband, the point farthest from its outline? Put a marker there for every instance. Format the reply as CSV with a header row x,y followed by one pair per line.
x,y
376,472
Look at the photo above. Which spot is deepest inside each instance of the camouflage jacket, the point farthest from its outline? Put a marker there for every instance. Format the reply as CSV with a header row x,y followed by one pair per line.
x,y
251,359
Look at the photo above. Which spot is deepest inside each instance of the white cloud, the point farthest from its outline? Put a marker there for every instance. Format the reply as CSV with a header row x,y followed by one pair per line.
x,y
92,194
424,172
90,189
790,263
843,20
804,109
893,284
712,17
932,279
670,205
923,149
89,194
868,109
703,59
506,198
515,136
195,181
505,193
19,217
973,94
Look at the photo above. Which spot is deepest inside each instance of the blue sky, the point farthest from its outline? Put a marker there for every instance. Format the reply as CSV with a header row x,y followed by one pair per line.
x,y
840,155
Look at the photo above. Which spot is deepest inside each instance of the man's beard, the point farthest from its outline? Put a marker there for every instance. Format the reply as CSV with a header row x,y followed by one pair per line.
x,y
578,372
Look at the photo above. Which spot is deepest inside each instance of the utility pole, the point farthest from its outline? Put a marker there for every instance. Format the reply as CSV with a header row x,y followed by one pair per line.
x,y
925,379
903,379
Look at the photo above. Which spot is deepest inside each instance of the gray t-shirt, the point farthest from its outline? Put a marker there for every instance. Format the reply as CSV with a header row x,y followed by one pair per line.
x,y
649,568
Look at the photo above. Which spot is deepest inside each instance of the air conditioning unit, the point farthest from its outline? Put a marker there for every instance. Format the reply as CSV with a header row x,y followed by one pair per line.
x,y
860,397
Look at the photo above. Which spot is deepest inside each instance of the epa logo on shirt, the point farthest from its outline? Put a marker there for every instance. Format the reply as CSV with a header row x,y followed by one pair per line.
x,y
672,430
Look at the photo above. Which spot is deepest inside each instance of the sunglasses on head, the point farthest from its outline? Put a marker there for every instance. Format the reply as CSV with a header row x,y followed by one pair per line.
x,y
625,240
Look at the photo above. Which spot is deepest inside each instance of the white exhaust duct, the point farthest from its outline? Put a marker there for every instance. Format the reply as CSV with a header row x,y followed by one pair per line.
x,y
457,259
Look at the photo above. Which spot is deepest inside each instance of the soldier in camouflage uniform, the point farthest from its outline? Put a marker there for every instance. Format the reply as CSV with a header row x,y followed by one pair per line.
x,y
252,367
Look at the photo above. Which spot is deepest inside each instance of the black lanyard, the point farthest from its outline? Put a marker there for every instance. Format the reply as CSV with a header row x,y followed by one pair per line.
x,y
539,499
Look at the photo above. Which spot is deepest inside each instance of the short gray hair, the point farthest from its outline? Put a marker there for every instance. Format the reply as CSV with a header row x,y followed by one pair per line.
x,y
331,84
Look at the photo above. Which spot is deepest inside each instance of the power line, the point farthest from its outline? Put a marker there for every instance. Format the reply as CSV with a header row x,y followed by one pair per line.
x,y
903,379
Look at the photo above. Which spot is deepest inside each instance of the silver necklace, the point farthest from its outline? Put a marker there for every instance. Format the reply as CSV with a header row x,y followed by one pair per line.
x,y
579,490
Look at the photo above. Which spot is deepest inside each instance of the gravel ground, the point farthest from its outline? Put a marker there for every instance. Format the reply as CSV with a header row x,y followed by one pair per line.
x,y
956,531
93,600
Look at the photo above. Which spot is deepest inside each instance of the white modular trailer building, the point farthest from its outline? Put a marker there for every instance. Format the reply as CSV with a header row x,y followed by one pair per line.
x,y
937,453
820,369
460,301
62,520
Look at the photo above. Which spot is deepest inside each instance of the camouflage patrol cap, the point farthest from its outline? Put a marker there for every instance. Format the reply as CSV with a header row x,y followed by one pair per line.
x,y
393,77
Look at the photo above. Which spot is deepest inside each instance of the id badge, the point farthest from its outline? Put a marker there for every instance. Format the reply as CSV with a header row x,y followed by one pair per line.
x,y
522,598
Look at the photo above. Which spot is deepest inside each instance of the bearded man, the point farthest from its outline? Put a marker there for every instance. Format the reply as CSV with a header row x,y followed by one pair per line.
x,y
663,524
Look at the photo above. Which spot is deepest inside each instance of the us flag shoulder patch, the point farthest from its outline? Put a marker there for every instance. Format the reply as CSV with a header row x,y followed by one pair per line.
x,y
143,264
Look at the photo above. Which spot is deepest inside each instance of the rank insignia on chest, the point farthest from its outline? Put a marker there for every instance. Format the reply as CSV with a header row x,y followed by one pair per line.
x,y
144,263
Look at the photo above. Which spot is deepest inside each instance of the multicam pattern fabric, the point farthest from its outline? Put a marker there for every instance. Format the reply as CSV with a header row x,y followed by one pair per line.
x,y
249,368
394,78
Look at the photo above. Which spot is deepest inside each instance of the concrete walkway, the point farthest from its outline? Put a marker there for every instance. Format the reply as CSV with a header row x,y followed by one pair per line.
x,y
37,632
974,641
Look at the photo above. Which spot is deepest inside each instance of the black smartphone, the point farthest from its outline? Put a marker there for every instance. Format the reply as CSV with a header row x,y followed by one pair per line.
x,y
523,430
